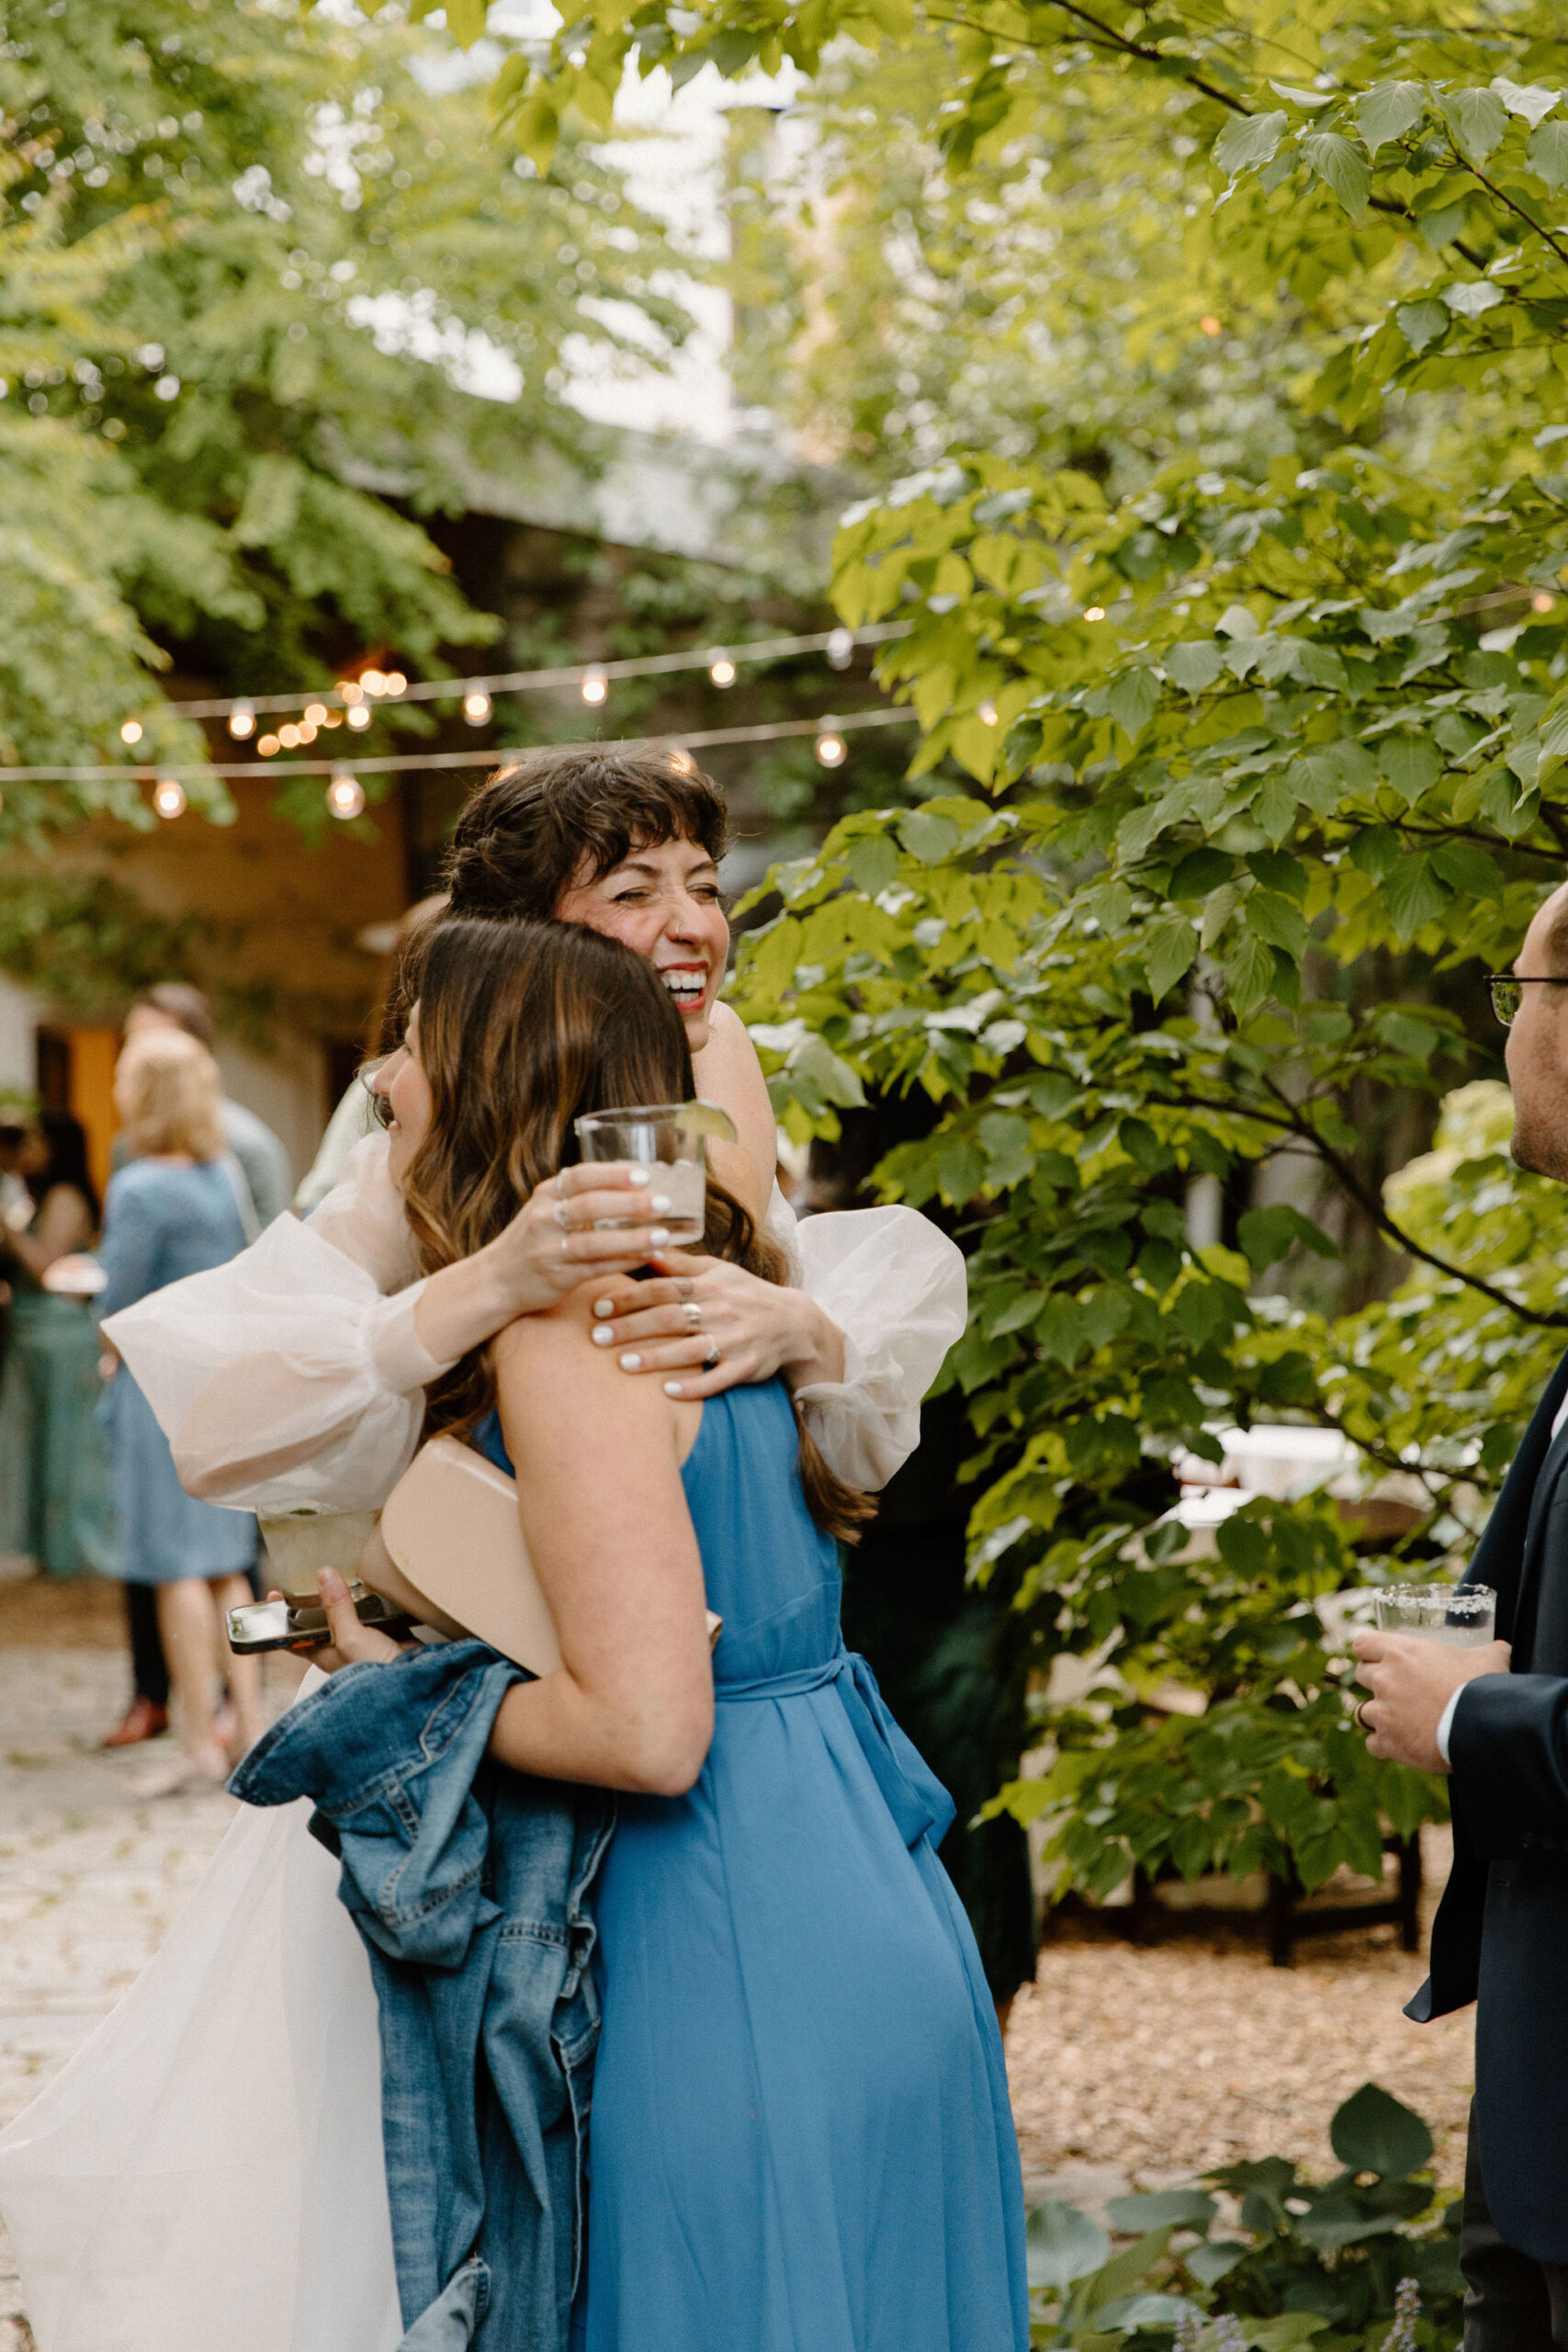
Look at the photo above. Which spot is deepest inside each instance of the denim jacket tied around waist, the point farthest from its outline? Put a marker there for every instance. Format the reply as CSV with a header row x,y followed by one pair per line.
x,y
468,1885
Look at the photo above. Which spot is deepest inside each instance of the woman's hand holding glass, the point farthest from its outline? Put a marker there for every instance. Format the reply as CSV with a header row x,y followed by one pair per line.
x,y
708,1324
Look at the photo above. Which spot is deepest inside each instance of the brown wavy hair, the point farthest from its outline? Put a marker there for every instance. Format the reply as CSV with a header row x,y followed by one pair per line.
x,y
522,1026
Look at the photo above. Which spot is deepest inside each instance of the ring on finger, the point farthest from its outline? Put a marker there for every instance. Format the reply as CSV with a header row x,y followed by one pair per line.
x,y
1359,1715
683,1288
694,1315
713,1354
563,1216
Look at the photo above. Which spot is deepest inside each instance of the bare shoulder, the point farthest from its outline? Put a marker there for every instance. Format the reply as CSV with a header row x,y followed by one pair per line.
x,y
550,1379
728,1072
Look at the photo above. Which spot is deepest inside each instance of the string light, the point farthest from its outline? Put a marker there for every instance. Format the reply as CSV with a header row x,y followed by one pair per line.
x,y
831,749
1210,325
839,644
241,721
682,763
131,732
1094,613
345,795
169,798
289,737
269,744
315,714
595,687
359,716
674,748
1542,601
476,709
722,670
986,712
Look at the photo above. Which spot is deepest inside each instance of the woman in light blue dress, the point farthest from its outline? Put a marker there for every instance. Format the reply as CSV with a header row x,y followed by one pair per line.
x,y
801,2140
173,1211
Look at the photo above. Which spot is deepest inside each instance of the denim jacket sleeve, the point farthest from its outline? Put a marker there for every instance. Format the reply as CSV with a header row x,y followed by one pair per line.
x,y
390,1754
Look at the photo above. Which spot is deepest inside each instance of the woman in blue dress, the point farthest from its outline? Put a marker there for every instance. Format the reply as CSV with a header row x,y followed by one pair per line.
x,y
801,2140
172,1211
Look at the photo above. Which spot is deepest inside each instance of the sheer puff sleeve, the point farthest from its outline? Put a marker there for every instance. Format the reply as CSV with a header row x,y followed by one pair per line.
x,y
897,1290
285,1378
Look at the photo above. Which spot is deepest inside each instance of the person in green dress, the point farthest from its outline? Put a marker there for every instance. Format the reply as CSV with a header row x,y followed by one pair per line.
x,y
55,1504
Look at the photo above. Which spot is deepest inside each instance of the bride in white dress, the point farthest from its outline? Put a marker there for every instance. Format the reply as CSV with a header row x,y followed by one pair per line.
x,y
207,2170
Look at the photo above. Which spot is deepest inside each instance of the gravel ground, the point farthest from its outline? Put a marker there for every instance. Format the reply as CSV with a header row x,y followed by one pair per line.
x,y
1147,2065
1130,2066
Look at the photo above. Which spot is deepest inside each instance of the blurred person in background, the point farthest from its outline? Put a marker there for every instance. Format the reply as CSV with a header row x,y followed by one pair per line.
x,y
263,1162
54,1492
174,1006
173,1210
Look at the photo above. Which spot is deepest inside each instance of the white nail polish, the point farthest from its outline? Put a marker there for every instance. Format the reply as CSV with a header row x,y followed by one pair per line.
x,y
604,1306
603,1337
672,1388
661,1204
631,1364
658,1237
640,1176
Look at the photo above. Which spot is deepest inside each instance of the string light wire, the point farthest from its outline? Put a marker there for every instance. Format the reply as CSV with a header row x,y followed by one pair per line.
x,y
392,687
399,763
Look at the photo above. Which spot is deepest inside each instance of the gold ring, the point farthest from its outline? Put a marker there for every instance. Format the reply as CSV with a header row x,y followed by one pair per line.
x,y
694,1315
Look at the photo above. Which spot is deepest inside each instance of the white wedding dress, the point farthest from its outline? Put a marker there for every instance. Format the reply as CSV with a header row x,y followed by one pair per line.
x,y
205,2172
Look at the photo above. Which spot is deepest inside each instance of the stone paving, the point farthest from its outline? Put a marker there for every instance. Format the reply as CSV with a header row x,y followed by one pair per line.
x,y
91,1877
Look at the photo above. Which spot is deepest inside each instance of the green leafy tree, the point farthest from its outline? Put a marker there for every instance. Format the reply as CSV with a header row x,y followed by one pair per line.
x,y
247,258
1237,735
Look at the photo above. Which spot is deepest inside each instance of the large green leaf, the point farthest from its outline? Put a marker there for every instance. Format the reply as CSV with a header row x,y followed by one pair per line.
x,y
1374,2133
1063,2245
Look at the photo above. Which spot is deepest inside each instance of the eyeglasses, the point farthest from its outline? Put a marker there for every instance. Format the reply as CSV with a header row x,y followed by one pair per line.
x,y
1506,986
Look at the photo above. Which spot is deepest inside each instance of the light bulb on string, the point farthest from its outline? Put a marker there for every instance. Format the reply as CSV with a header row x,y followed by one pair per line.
x,y
349,690
986,712
241,721
269,744
394,683
839,649
595,685
1094,612
169,798
373,682
682,761
345,795
1542,601
315,714
358,715
721,670
831,749
289,736
130,730
307,730
476,709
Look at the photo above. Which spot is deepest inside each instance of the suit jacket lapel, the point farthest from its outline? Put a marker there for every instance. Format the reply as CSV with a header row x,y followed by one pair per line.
x,y
1507,1555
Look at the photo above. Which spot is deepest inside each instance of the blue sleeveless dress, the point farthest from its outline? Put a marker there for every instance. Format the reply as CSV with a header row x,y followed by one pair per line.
x,y
801,2140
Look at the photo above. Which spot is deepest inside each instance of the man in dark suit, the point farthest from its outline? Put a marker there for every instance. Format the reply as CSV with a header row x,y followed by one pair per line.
x,y
1496,1720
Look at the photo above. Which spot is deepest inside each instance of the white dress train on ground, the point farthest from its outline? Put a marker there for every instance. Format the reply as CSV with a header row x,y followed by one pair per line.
x,y
206,2175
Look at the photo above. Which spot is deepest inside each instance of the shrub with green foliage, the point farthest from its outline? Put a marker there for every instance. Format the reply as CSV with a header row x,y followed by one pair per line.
x,y
1304,2262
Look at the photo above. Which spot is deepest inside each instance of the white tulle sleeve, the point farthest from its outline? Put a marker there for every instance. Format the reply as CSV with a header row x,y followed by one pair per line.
x,y
286,1378
897,1290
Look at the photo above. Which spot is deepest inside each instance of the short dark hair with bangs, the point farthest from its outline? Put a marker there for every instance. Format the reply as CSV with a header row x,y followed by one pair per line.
x,y
567,815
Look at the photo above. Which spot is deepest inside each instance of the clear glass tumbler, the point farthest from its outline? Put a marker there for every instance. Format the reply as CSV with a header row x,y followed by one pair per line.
x,y
1438,1613
666,1139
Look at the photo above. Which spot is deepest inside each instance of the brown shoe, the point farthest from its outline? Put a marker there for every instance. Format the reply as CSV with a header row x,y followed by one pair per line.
x,y
144,1720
